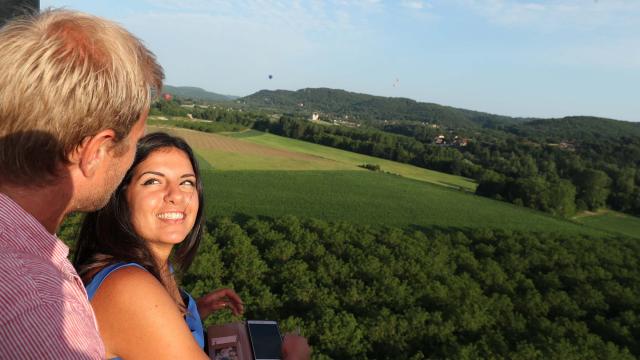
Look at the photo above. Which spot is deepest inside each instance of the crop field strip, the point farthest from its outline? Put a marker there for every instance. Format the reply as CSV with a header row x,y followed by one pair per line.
x,y
227,153
206,141
355,159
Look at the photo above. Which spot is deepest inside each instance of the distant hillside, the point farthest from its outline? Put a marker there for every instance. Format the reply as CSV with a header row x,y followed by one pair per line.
x,y
364,107
195,93
584,128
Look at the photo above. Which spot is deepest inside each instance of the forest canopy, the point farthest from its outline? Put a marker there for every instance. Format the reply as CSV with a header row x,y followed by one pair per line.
x,y
361,292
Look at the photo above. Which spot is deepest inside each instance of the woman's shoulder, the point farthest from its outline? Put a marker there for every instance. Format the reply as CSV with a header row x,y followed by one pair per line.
x,y
130,279
111,271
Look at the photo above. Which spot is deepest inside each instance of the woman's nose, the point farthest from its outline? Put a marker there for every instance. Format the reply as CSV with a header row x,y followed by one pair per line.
x,y
174,194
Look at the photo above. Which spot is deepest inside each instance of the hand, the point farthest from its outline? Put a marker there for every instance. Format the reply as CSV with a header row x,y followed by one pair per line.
x,y
218,300
295,347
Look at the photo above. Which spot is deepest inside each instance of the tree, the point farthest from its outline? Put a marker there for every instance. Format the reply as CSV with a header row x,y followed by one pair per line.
x,y
592,188
562,198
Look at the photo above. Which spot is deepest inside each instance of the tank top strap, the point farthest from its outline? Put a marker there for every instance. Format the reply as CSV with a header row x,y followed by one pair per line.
x,y
93,286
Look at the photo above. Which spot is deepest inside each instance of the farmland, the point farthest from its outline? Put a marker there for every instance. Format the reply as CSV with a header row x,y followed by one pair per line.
x,y
262,174
254,150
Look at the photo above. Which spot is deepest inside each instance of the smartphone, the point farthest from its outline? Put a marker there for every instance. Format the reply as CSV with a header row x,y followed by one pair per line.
x,y
266,341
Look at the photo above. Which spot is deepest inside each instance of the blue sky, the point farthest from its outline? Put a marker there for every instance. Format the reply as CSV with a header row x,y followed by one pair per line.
x,y
520,58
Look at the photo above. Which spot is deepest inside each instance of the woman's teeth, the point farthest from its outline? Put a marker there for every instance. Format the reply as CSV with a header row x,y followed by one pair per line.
x,y
171,216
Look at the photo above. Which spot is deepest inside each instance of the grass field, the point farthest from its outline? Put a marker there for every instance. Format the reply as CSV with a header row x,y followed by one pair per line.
x,y
365,197
613,221
260,174
354,159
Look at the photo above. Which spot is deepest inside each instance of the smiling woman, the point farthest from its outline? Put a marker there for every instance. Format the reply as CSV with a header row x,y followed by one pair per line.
x,y
125,254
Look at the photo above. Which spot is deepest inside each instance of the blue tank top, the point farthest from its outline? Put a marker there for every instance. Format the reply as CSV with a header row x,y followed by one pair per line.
x,y
192,318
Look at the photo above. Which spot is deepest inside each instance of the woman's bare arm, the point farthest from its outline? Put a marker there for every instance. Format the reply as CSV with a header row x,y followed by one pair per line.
x,y
139,320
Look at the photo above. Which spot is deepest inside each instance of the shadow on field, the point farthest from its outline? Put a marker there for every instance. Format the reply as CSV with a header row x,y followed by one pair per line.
x,y
455,186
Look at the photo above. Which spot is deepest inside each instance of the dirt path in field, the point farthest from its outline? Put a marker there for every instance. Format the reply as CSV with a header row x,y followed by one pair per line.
x,y
208,141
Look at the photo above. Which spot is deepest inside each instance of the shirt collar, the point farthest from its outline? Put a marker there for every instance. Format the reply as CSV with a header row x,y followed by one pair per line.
x,y
21,231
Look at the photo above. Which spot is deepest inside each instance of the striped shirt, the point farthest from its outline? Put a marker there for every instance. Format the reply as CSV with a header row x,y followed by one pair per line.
x,y
44,311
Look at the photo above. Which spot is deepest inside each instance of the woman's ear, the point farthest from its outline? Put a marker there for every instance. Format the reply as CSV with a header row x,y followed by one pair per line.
x,y
93,152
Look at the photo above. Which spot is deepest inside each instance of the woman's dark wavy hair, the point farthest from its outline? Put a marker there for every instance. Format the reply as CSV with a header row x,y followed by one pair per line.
x,y
107,235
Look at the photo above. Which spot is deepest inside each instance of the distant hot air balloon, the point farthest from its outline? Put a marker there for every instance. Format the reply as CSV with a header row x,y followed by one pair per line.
x,y
270,76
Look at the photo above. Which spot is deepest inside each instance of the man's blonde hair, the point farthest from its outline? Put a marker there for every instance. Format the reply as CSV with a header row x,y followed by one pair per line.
x,y
65,76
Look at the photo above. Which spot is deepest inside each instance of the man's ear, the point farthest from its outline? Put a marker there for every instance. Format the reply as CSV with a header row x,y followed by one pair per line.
x,y
92,151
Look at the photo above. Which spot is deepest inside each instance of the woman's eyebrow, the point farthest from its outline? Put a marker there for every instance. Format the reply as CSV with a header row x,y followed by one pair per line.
x,y
150,172
187,175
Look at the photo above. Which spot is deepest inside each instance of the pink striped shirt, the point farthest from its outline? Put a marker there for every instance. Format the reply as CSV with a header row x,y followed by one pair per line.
x,y
44,311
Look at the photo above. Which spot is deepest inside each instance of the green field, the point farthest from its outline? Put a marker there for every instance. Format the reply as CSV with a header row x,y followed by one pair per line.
x,y
261,174
353,159
614,222
365,197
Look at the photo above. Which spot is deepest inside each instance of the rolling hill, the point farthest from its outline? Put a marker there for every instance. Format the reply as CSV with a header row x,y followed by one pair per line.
x,y
369,108
196,93
364,107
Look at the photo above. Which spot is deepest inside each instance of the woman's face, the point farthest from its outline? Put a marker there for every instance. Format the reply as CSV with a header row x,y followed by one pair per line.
x,y
162,198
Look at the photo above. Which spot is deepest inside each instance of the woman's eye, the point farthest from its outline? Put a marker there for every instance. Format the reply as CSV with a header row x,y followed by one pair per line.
x,y
151,182
189,183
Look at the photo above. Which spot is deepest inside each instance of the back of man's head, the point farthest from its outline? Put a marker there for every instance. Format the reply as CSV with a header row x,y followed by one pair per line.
x,y
66,76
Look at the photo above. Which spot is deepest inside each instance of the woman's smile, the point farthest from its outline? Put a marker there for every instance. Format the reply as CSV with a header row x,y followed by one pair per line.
x,y
171,216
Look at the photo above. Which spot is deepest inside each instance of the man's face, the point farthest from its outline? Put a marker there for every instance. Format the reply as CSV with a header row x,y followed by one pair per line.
x,y
116,166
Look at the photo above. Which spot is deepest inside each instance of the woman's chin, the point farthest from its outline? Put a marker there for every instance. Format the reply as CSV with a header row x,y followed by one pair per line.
x,y
172,239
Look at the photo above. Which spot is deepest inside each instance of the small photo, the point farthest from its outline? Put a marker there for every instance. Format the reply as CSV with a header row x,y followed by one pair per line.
x,y
226,353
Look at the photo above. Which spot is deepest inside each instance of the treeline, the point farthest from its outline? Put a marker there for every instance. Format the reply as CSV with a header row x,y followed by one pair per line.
x,y
554,165
577,128
587,177
211,113
541,169
363,293
208,126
